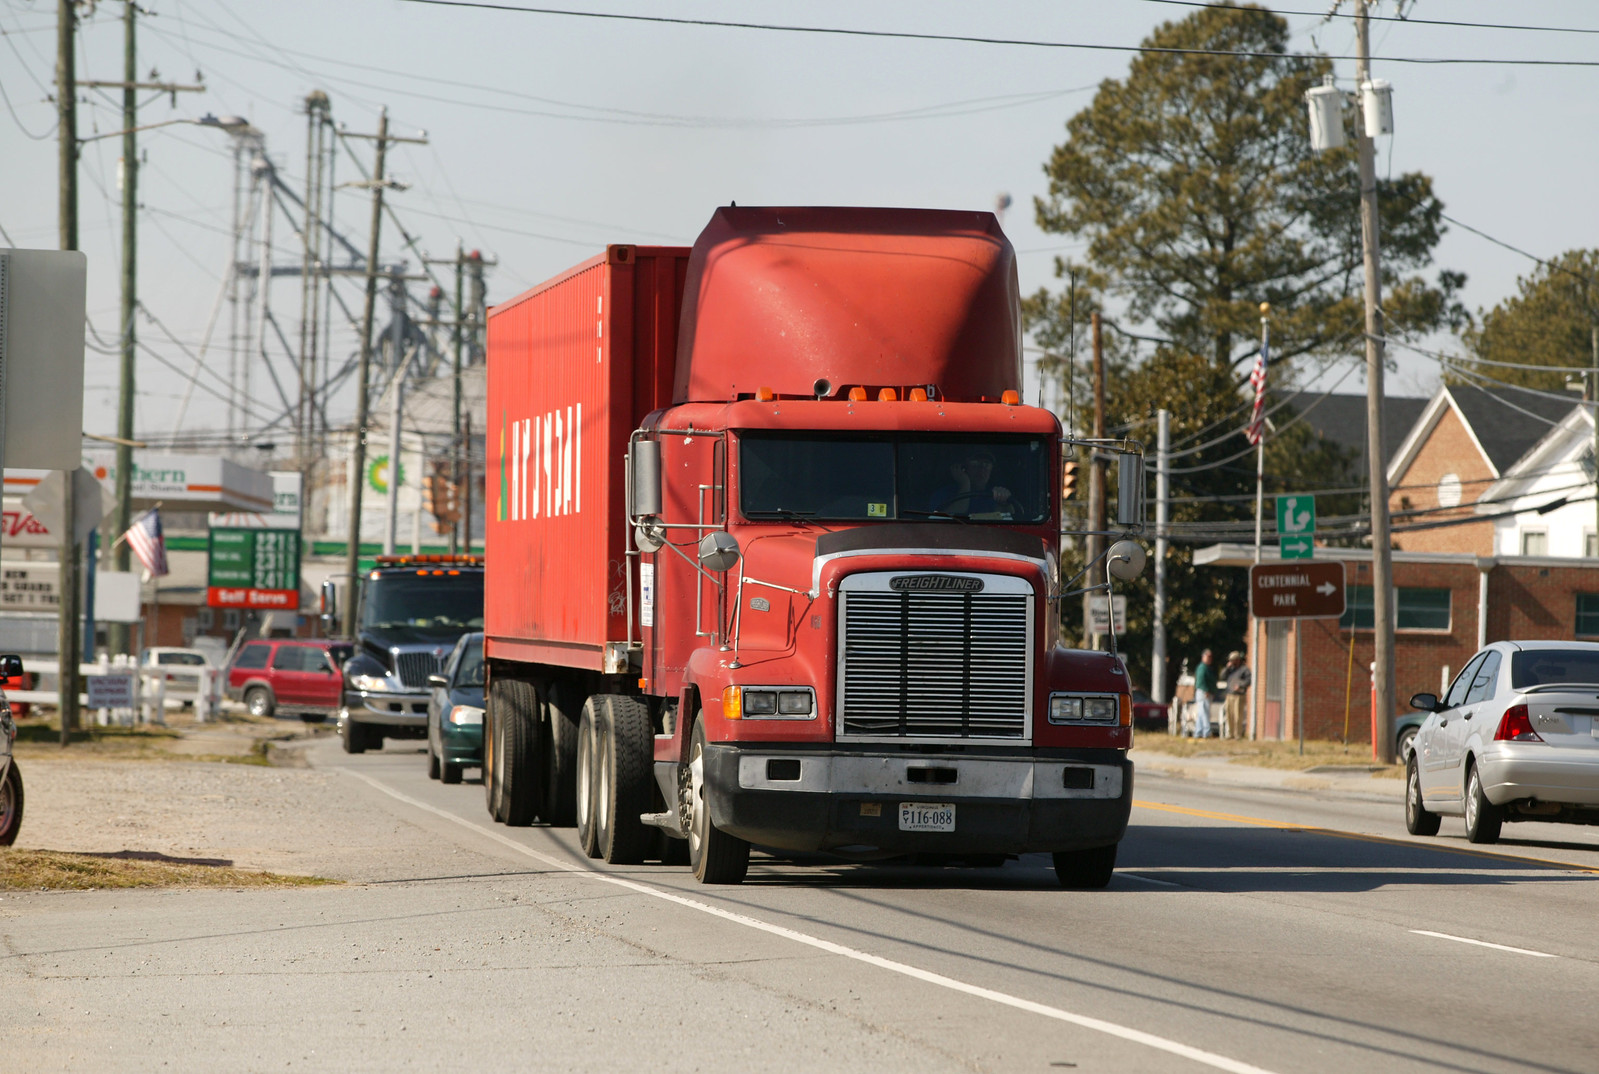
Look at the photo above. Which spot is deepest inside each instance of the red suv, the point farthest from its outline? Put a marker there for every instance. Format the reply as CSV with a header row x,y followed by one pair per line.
x,y
291,676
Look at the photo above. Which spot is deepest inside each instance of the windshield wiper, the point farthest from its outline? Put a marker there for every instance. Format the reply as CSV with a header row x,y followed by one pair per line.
x,y
936,514
782,512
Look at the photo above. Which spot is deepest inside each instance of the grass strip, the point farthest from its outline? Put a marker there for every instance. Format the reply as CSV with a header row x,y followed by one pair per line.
x,y
55,870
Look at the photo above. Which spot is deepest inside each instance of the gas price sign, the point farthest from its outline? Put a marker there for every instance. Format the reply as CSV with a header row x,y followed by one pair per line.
x,y
254,568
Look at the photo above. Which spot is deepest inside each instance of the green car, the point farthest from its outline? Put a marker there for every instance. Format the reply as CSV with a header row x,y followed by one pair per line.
x,y
455,712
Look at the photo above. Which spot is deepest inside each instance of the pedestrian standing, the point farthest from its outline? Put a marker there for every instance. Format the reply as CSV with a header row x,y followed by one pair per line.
x,y
1236,680
1204,687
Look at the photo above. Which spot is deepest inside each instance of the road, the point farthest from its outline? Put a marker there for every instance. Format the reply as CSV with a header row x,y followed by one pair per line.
x,y
1246,930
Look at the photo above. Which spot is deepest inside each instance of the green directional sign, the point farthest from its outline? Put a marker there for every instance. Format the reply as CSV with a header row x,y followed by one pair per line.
x,y
1296,547
1296,516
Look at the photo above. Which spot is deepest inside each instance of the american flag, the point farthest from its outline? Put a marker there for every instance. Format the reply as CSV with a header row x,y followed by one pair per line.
x,y
145,538
1257,380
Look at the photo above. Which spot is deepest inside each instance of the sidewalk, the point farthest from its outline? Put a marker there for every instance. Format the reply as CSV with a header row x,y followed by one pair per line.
x,y
1344,781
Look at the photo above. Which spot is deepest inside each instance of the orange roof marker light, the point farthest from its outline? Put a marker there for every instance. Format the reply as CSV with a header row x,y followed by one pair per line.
x,y
430,558
857,395
887,395
765,395
918,395
1010,398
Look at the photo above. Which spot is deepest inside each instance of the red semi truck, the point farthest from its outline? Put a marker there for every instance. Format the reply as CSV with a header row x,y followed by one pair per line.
x,y
772,556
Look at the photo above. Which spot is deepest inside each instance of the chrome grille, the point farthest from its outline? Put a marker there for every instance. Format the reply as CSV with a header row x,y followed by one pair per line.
x,y
414,668
929,664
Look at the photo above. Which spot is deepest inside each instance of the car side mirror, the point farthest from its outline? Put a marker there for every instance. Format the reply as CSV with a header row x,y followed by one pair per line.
x,y
10,670
1425,702
439,681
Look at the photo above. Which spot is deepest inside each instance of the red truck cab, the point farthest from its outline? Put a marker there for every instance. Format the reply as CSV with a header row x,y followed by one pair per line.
x,y
831,599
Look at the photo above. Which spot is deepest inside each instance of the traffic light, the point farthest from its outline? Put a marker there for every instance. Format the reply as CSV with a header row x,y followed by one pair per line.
x,y
1068,480
439,497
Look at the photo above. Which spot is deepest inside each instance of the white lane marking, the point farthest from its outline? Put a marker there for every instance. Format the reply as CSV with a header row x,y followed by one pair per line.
x,y
1149,880
1484,943
1136,1036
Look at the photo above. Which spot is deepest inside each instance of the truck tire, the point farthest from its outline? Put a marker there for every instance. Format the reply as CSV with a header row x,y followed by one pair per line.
x,y
587,776
626,751
10,804
520,759
354,736
670,849
715,856
499,702
1085,869
560,757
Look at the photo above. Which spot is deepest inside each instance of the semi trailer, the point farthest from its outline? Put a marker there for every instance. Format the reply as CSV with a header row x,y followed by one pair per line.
x,y
773,556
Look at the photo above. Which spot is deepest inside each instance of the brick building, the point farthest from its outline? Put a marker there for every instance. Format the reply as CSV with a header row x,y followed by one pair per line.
x,y
1448,605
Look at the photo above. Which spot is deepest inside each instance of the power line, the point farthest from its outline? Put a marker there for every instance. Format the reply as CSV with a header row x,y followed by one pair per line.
x,y
1388,18
906,35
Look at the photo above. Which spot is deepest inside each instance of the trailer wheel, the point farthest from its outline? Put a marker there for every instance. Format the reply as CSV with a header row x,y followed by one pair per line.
x,y
716,857
587,777
560,757
670,849
623,790
521,759
10,804
493,746
1091,868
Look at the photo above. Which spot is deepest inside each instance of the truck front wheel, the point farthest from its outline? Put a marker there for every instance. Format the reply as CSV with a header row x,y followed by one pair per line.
x,y
626,755
715,856
1084,869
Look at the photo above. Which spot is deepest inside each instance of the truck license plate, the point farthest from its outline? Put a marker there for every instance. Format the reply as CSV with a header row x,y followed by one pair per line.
x,y
926,817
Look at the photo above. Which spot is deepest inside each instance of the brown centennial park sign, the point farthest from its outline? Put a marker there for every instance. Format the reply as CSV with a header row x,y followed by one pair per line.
x,y
1303,589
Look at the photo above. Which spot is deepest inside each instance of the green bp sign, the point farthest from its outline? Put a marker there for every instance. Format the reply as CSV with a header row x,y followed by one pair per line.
x,y
253,568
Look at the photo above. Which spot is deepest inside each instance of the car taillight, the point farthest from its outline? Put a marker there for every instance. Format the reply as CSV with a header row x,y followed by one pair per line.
x,y
1516,726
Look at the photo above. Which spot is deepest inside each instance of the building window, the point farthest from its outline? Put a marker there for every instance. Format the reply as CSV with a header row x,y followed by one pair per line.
x,y
1590,545
1534,543
1417,608
1422,609
1588,614
1357,608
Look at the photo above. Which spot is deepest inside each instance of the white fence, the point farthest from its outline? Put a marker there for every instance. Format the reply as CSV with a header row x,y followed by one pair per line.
x,y
152,688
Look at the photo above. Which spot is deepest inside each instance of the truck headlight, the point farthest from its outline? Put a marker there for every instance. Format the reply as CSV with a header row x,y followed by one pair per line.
x,y
368,682
1065,709
1099,709
769,703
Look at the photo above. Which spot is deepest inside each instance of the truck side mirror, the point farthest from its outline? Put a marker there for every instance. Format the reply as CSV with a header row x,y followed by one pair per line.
x,y
330,600
644,464
1129,489
718,551
1125,560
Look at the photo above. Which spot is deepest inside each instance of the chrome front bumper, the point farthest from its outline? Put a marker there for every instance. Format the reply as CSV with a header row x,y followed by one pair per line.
x,y
391,709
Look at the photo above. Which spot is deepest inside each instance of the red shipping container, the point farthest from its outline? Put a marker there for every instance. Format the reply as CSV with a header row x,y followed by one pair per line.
x,y
575,364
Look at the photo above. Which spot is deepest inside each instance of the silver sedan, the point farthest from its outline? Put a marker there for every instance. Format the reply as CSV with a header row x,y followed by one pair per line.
x,y
1515,737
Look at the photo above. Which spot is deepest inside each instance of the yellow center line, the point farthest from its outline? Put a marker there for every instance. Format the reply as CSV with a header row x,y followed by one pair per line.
x,y
1311,829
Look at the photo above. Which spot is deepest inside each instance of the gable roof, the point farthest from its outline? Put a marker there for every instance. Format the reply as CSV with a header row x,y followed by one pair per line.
x,y
1507,424
1341,419
1504,425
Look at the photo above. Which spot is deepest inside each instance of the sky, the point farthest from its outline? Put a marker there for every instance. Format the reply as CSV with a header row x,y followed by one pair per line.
x,y
549,136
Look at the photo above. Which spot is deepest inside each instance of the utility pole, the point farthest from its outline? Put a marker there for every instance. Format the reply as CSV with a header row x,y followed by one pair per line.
x,y
456,474
364,367
67,111
396,411
1157,663
1382,581
120,636
1096,466
316,111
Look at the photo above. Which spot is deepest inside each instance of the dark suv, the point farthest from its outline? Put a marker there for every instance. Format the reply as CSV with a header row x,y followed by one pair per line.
x,y
289,675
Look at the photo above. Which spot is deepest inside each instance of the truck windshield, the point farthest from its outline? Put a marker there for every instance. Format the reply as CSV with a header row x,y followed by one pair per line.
x,y
423,604
979,479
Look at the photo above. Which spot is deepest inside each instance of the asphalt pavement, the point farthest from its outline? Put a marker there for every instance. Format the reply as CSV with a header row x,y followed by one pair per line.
x,y
1254,926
